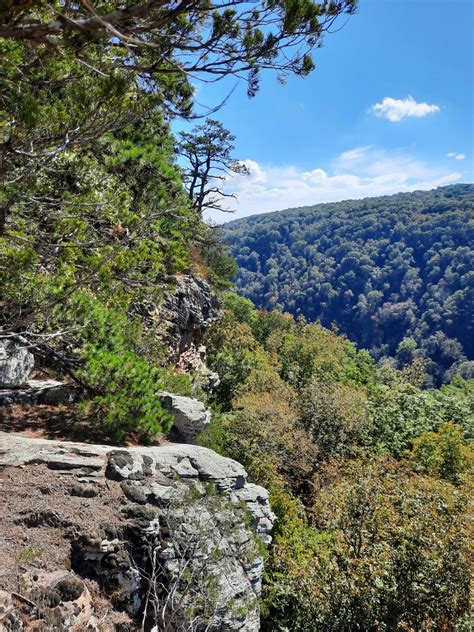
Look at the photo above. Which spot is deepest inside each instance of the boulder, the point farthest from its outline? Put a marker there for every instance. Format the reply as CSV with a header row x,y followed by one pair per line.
x,y
190,415
16,364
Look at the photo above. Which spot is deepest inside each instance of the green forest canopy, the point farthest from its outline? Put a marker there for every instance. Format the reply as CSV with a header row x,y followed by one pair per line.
x,y
369,475
394,273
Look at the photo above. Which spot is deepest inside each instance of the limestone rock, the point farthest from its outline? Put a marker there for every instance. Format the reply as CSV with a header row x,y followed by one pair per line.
x,y
16,364
163,512
57,601
190,415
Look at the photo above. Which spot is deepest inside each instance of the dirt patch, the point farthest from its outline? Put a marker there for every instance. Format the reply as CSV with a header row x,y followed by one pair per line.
x,y
41,515
63,424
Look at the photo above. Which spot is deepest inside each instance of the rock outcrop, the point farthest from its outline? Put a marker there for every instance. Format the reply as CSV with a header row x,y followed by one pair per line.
x,y
190,415
189,309
16,364
32,392
101,538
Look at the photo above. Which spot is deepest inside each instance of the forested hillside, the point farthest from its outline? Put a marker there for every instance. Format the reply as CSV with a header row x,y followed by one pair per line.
x,y
395,274
369,475
104,252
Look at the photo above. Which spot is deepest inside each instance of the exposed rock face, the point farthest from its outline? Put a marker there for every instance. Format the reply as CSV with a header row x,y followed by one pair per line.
x,y
190,415
183,318
126,531
189,311
16,364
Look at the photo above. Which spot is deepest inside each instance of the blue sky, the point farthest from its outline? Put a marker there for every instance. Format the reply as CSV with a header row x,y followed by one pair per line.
x,y
389,108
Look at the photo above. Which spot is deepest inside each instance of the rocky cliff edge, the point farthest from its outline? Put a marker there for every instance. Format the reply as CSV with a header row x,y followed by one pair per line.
x,y
147,538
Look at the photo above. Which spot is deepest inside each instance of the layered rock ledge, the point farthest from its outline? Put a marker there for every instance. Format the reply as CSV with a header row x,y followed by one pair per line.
x,y
116,539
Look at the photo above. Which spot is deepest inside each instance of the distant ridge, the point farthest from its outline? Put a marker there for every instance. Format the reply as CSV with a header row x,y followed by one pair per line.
x,y
395,273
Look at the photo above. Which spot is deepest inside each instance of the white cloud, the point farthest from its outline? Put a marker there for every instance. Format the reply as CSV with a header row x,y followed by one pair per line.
x,y
395,110
456,156
255,171
354,174
354,156
316,176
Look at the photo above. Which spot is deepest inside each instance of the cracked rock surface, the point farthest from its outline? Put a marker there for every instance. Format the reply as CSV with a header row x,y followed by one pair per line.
x,y
101,538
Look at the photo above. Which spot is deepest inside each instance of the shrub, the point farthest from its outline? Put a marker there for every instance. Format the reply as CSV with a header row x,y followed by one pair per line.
x,y
442,453
242,309
125,395
122,385
336,416
389,551
400,412
309,351
234,353
264,433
